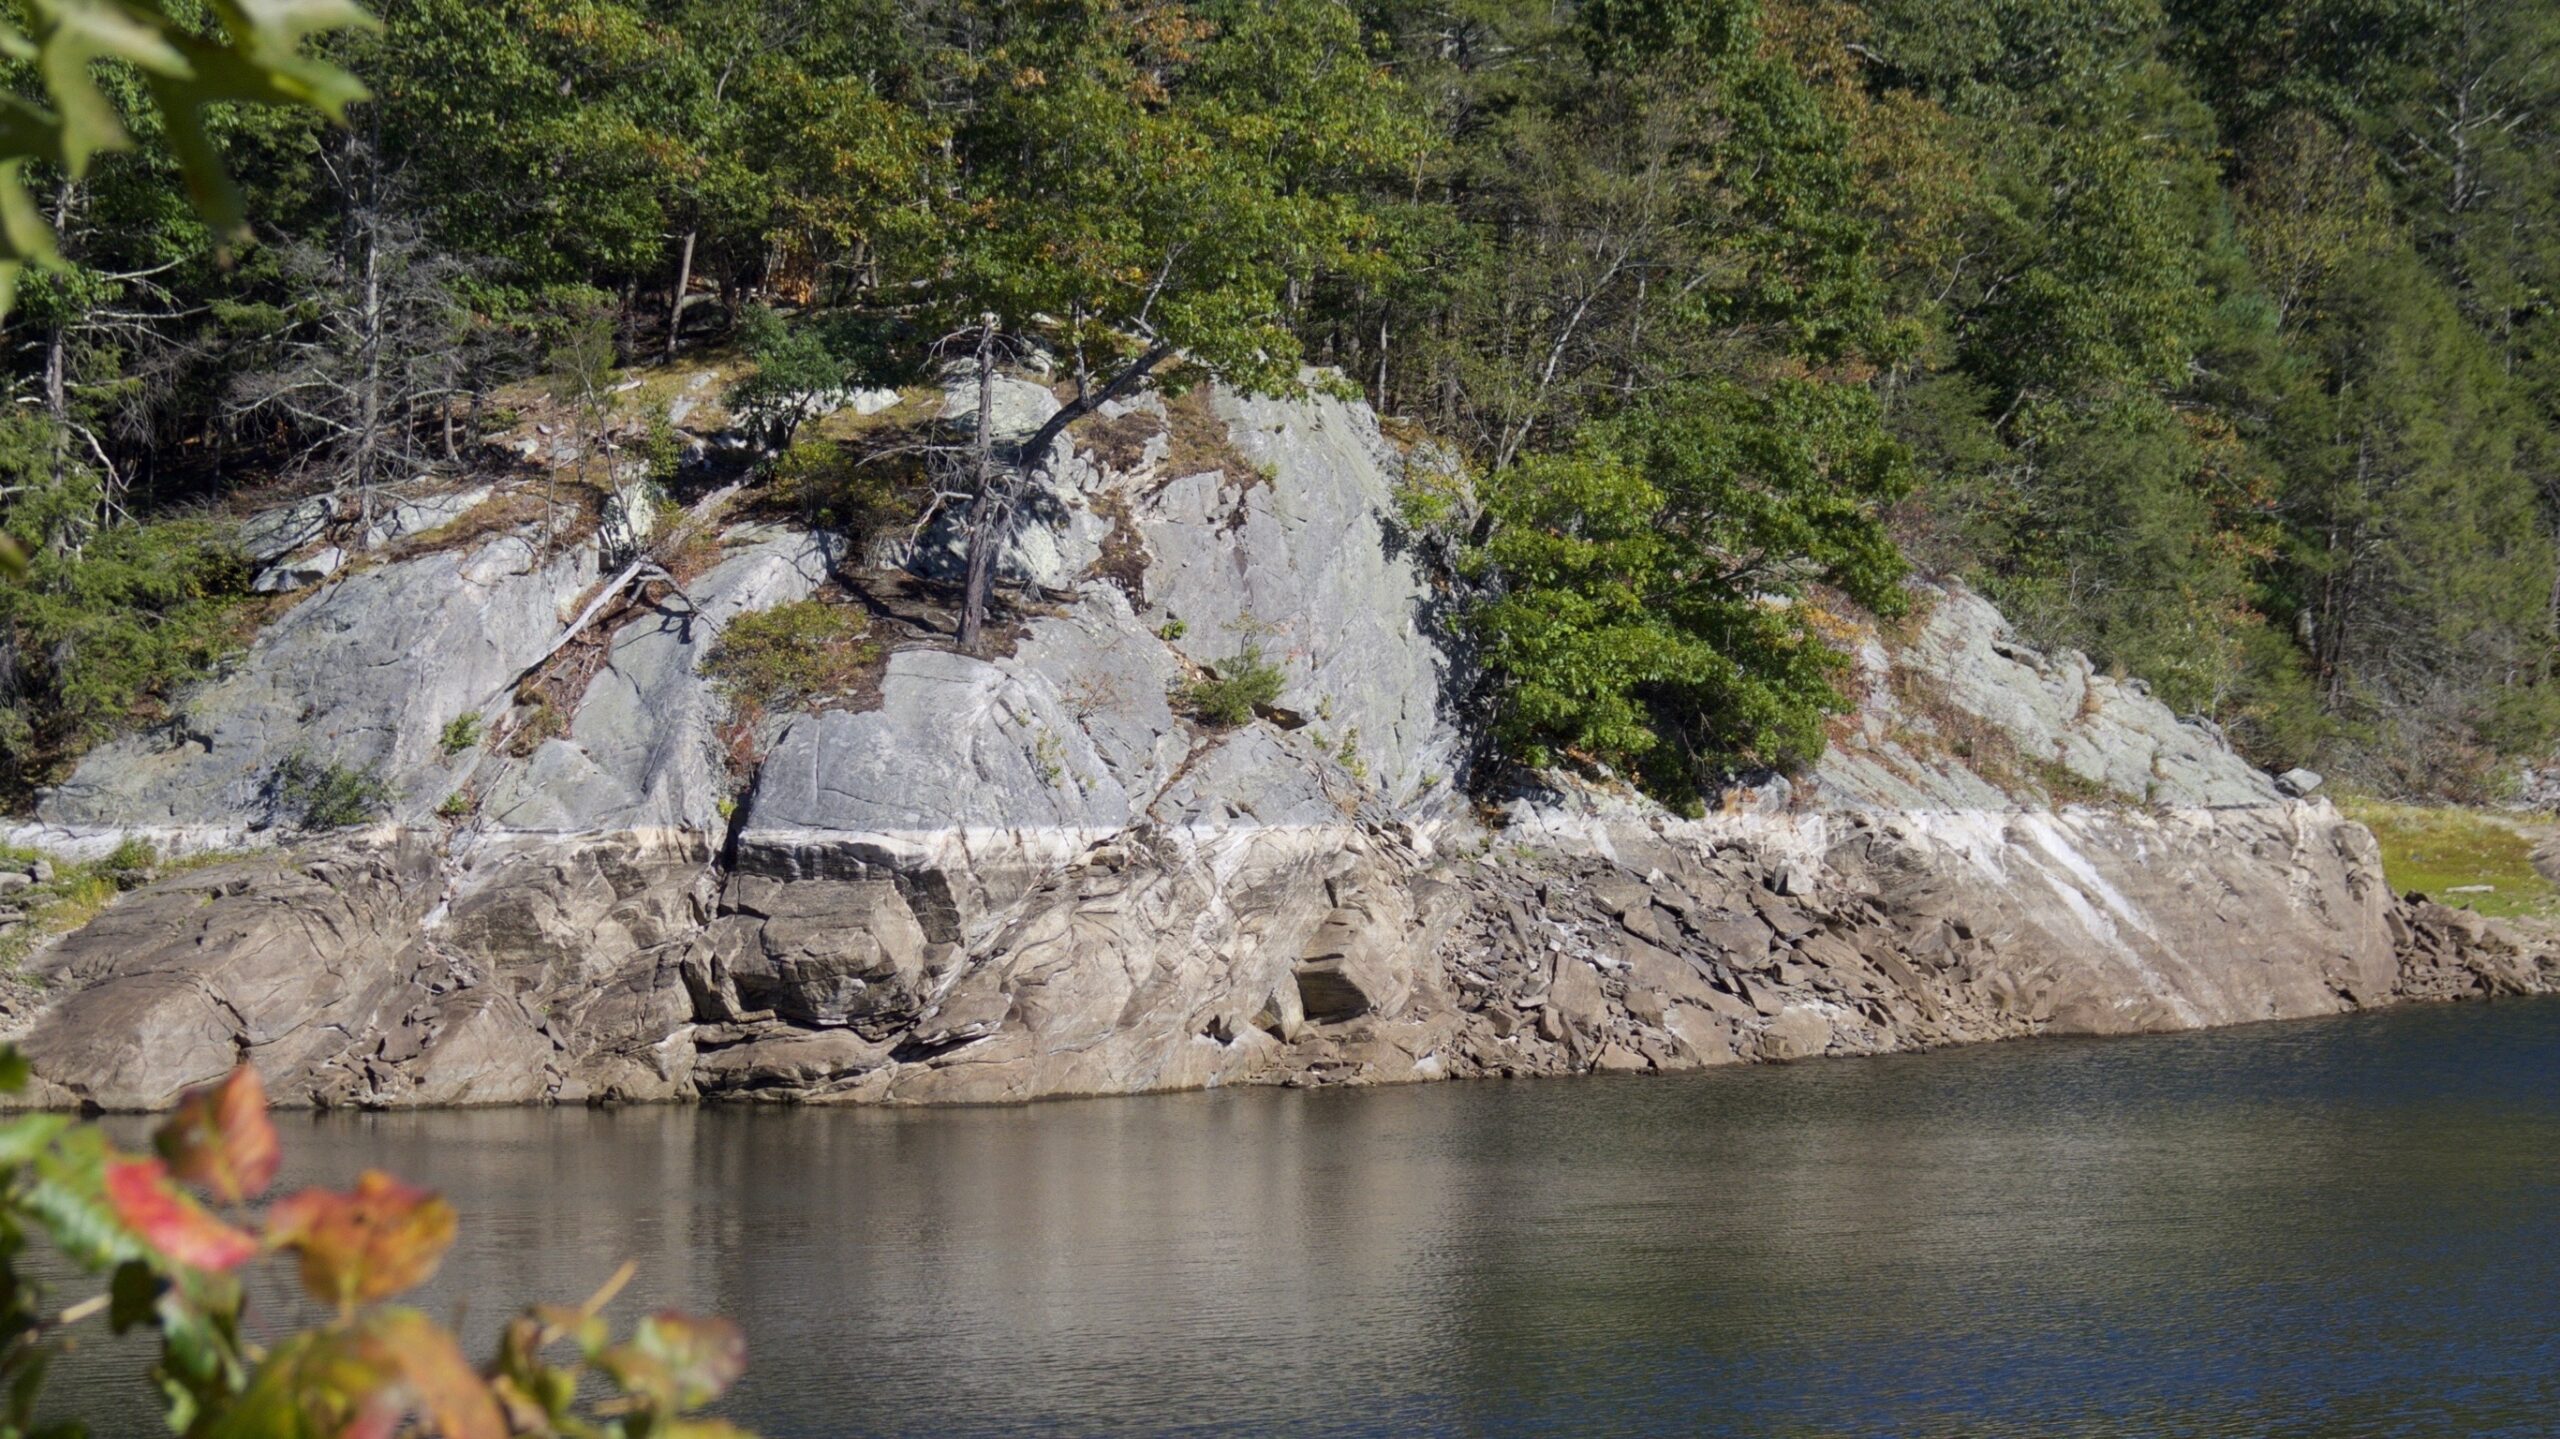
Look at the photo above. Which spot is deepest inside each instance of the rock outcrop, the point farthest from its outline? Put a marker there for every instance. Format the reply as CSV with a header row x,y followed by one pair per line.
x,y
1032,874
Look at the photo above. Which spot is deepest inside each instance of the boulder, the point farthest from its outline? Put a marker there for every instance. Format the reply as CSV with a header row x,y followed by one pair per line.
x,y
270,535
286,576
1795,1032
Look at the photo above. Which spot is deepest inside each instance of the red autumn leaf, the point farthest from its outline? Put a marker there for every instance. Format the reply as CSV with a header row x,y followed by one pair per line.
x,y
170,1221
220,1137
374,1241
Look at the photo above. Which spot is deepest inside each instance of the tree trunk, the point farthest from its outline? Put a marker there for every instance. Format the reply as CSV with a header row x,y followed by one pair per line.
x,y
57,369
988,514
370,418
684,278
983,519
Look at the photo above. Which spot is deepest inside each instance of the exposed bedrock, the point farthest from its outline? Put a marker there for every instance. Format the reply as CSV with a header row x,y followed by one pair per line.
x,y
1031,875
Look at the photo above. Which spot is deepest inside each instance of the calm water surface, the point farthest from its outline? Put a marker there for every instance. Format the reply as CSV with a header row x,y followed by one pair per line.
x,y
2345,1227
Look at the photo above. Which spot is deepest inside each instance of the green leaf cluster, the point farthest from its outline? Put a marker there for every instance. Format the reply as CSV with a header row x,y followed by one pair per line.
x,y
251,53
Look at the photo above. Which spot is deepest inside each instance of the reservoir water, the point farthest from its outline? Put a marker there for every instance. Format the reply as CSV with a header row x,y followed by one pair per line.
x,y
2344,1227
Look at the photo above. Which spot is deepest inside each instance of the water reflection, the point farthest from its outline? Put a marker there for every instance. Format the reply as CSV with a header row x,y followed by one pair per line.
x,y
2340,1228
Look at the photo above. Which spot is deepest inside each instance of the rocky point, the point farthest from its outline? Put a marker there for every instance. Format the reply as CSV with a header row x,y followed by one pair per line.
x,y
1029,874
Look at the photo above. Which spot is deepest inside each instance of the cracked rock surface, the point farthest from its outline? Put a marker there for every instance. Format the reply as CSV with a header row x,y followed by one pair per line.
x,y
1030,875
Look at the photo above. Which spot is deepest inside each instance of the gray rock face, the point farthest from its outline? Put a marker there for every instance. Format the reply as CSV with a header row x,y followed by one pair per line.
x,y
365,674
1965,716
1029,874
1300,566
641,752
984,771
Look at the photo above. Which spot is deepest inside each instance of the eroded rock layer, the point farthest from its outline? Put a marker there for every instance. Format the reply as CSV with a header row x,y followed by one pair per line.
x,y
1030,875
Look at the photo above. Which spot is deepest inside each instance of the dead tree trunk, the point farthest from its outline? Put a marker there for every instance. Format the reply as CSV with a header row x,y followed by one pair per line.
x,y
993,508
684,278
984,518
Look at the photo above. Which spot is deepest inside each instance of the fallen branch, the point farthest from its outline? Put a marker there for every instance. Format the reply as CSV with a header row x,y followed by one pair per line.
x,y
641,570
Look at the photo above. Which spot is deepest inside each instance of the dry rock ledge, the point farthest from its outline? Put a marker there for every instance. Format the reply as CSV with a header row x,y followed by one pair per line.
x,y
1026,876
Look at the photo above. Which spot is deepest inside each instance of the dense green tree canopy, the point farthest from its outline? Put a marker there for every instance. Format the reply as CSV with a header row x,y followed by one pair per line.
x,y
2216,338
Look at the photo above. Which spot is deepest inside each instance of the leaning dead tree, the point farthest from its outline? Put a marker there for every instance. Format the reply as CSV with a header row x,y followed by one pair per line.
x,y
998,482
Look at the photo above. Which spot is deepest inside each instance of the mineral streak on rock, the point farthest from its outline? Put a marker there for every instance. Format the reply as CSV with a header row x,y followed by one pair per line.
x,y
1028,875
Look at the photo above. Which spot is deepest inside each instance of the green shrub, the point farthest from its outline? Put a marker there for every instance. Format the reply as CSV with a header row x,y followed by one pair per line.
x,y
458,805
662,448
461,733
311,796
791,654
1229,696
131,856
794,366
833,486
99,632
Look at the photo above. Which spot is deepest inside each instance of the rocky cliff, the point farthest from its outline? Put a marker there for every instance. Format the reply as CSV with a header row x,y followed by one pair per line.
x,y
1028,875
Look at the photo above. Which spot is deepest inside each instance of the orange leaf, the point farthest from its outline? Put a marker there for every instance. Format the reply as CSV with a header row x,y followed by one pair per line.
x,y
220,1137
171,1222
441,1383
374,1241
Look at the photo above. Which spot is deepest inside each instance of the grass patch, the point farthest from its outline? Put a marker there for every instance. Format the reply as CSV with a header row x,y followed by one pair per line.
x,y
2065,785
516,511
80,891
537,721
461,732
2439,849
1124,554
1200,441
791,655
1120,442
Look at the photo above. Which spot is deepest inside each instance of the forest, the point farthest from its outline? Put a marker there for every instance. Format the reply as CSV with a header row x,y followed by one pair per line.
x,y
2216,338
